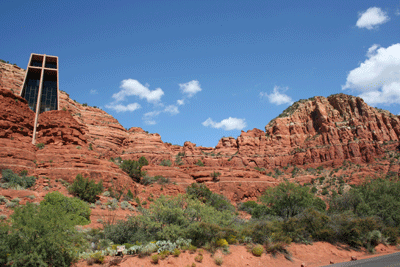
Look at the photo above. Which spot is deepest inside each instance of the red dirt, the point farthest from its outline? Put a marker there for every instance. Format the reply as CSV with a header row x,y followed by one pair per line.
x,y
317,254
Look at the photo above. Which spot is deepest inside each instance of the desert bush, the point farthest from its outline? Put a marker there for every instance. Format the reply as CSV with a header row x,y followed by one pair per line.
x,y
200,163
202,193
248,206
374,237
155,258
176,252
129,195
134,168
222,242
166,162
215,175
77,211
170,218
192,249
11,204
3,199
378,197
198,258
289,199
257,250
218,260
47,232
40,145
96,258
85,189
146,180
14,180
125,205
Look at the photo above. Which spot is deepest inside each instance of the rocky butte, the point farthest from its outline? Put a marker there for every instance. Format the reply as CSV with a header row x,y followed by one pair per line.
x,y
337,136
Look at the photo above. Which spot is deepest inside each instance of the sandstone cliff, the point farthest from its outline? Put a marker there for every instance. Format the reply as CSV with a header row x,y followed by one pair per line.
x,y
82,139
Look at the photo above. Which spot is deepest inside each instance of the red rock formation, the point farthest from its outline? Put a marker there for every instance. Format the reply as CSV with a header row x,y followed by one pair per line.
x,y
82,139
11,77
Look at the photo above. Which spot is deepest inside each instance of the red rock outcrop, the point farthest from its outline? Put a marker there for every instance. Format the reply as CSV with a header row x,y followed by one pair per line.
x,y
11,77
82,139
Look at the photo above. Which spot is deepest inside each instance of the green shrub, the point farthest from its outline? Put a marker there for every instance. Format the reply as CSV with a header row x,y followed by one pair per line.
x,y
11,204
3,199
129,195
134,168
171,218
192,249
146,180
14,180
200,163
96,258
202,193
248,206
85,189
166,162
289,199
374,237
176,252
125,205
314,190
198,258
257,250
155,258
215,175
218,260
178,159
40,145
45,231
76,210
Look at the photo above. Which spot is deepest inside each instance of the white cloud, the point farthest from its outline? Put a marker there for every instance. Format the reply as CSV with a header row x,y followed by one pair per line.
x,y
150,122
171,109
372,18
226,124
372,50
389,94
149,117
277,97
180,102
378,77
190,88
132,87
93,92
121,108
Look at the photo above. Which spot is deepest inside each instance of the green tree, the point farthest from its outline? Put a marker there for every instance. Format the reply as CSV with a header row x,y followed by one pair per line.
x,y
86,189
40,236
134,168
77,210
289,199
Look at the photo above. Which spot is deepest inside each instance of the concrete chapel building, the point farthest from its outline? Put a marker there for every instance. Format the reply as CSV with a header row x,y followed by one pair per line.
x,y
40,86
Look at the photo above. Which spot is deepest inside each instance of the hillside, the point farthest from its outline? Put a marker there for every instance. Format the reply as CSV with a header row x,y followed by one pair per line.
x,y
325,144
315,133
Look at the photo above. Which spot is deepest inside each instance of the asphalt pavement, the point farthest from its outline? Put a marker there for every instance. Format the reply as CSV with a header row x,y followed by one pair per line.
x,y
390,260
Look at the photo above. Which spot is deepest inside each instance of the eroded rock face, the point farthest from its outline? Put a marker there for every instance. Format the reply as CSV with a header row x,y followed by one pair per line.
x,y
82,139
16,127
11,77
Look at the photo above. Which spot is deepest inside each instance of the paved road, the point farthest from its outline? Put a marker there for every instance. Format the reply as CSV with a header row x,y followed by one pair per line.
x,y
390,260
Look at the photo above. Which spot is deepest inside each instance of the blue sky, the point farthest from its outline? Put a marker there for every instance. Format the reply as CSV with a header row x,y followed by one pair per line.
x,y
200,70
